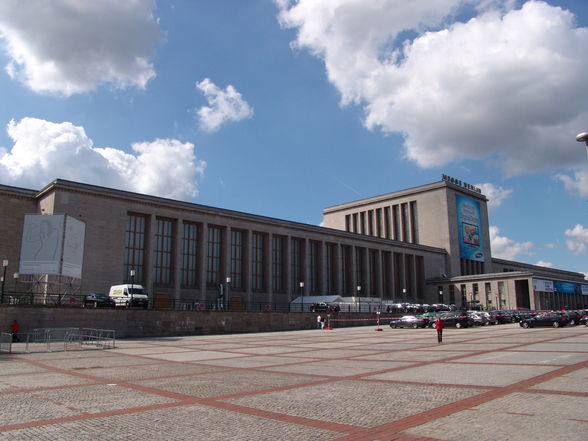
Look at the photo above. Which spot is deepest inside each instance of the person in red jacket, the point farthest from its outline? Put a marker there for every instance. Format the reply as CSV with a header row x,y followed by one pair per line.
x,y
439,325
14,328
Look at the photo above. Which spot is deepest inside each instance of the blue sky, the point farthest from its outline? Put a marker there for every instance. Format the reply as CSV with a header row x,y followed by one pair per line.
x,y
282,108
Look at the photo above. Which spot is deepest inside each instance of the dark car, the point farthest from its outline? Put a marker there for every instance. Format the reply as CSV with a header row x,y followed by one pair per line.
x,y
574,317
548,319
97,300
458,320
409,321
322,306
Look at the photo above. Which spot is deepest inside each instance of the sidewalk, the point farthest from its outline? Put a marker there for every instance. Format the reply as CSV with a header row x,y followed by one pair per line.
x,y
349,384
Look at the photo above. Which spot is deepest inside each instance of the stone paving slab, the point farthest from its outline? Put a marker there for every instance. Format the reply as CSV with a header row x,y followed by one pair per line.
x,y
576,381
192,422
347,384
338,368
521,357
146,371
514,417
226,383
379,403
466,374
39,380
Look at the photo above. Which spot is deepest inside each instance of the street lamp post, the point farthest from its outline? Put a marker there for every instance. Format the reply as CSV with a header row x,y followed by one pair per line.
x,y
359,297
301,284
441,296
15,276
132,273
583,137
4,266
228,280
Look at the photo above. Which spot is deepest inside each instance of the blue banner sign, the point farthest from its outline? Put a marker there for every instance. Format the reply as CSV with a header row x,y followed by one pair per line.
x,y
567,287
469,227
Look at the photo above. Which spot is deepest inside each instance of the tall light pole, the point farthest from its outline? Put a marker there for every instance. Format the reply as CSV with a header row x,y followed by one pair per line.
x,y
583,137
228,280
301,284
132,273
4,265
15,276
359,296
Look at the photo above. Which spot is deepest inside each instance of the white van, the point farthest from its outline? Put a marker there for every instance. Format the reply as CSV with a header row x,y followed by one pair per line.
x,y
128,295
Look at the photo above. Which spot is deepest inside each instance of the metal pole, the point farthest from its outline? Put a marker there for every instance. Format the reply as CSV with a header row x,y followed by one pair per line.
x,y
4,265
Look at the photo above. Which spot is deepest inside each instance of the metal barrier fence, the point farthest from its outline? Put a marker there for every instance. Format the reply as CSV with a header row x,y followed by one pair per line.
x,y
5,342
58,339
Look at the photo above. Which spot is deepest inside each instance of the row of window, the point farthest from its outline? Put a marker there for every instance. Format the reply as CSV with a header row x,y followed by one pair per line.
x,y
330,268
397,222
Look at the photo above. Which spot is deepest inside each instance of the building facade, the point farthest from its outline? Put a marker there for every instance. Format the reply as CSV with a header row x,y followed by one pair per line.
x,y
428,244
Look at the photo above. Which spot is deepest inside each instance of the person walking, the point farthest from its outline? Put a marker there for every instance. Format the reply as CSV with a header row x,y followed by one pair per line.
x,y
14,328
439,325
319,322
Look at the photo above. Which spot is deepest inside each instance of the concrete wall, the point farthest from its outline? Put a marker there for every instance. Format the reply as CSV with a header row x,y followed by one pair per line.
x,y
155,323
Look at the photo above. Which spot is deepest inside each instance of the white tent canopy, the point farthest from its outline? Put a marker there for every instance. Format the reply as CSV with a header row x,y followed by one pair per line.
x,y
316,299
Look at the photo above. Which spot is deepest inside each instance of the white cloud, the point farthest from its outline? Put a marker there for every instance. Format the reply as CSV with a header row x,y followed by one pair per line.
x,y
223,106
502,86
578,239
44,151
545,264
68,47
505,248
577,183
495,194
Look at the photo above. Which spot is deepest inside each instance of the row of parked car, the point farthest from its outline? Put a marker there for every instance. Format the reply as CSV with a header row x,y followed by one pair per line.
x,y
465,319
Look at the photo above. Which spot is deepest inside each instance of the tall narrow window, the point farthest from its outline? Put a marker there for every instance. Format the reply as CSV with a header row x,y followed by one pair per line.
x,y
278,274
373,273
346,269
379,222
330,268
314,270
258,262
189,255
387,274
414,222
237,242
396,222
135,247
163,251
387,225
404,222
213,256
359,268
370,214
296,263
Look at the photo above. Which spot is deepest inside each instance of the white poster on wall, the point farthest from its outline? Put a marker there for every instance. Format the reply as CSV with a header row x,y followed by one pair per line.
x,y
73,248
41,246
541,285
584,290
52,244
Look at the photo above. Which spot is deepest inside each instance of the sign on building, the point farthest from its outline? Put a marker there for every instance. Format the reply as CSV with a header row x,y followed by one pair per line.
x,y
469,227
52,244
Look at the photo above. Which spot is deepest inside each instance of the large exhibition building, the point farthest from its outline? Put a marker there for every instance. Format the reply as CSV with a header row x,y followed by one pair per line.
x,y
428,244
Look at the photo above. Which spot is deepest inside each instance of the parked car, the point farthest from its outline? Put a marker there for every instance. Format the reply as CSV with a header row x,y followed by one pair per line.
x,y
547,319
322,306
480,318
457,319
409,321
573,316
97,300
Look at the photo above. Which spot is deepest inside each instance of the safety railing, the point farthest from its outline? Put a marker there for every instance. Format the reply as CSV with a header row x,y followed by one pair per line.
x,y
58,339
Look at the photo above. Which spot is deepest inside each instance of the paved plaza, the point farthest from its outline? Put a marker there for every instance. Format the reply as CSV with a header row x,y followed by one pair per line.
x,y
348,384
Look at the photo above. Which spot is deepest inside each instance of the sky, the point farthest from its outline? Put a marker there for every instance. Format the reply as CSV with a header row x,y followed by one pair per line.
x,y
282,108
